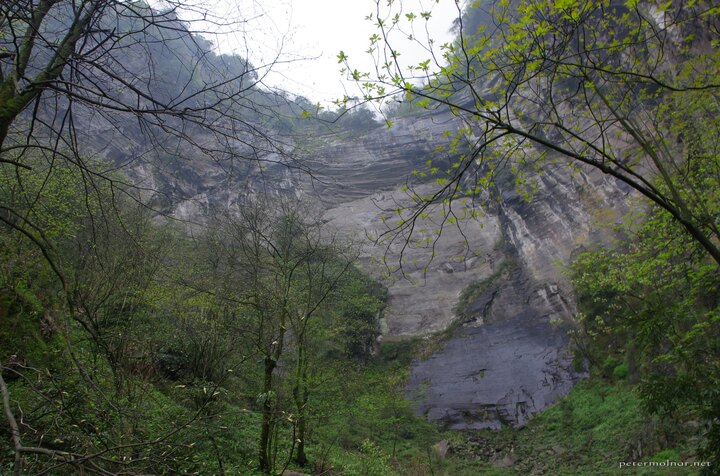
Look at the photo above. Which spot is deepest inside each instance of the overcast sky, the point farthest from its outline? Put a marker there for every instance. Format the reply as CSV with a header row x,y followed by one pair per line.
x,y
311,33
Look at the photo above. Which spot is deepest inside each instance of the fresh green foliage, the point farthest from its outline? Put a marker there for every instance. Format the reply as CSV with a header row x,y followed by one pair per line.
x,y
650,313
191,393
619,88
127,346
148,353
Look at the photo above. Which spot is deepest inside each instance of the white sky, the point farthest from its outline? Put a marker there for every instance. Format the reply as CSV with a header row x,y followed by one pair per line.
x,y
311,33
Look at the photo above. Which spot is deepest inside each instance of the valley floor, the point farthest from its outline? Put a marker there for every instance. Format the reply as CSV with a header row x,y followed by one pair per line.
x,y
599,427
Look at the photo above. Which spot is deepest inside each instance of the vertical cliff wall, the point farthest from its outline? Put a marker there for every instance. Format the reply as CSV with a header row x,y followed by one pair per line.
x,y
506,353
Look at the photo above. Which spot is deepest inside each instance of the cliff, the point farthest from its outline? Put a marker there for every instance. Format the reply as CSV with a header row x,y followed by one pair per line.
x,y
506,353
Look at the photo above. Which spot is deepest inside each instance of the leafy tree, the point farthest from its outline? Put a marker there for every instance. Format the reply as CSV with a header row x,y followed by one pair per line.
x,y
361,303
279,267
81,355
627,88
145,75
111,265
651,305
618,87
321,275
103,248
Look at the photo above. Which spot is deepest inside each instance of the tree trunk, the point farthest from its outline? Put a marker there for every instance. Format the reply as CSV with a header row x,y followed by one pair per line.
x,y
301,458
300,395
267,417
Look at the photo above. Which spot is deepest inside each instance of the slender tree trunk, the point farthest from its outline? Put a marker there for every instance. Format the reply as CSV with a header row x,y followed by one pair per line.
x,y
300,395
302,426
266,429
14,429
633,364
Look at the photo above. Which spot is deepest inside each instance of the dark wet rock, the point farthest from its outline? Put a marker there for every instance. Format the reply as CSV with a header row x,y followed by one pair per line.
x,y
501,372
493,375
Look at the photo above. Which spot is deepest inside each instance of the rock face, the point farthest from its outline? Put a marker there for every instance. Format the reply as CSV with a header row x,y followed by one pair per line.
x,y
507,355
421,303
567,213
500,369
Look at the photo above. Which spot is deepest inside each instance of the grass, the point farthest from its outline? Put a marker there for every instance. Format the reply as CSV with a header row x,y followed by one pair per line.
x,y
590,432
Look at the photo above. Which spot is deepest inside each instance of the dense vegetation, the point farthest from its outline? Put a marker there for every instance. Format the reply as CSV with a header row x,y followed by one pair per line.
x,y
152,355
651,315
156,352
625,88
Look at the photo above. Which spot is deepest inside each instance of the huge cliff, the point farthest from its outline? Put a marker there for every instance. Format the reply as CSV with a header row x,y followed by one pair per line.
x,y
494,280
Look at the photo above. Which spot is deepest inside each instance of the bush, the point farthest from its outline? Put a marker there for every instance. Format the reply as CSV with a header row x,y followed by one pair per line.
x,y
620,372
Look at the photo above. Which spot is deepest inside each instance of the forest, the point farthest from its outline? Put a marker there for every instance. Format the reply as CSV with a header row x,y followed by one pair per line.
x,y
202,274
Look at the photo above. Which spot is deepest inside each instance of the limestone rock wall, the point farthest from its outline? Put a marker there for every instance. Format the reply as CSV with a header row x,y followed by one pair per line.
x,y
568,212
507,356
